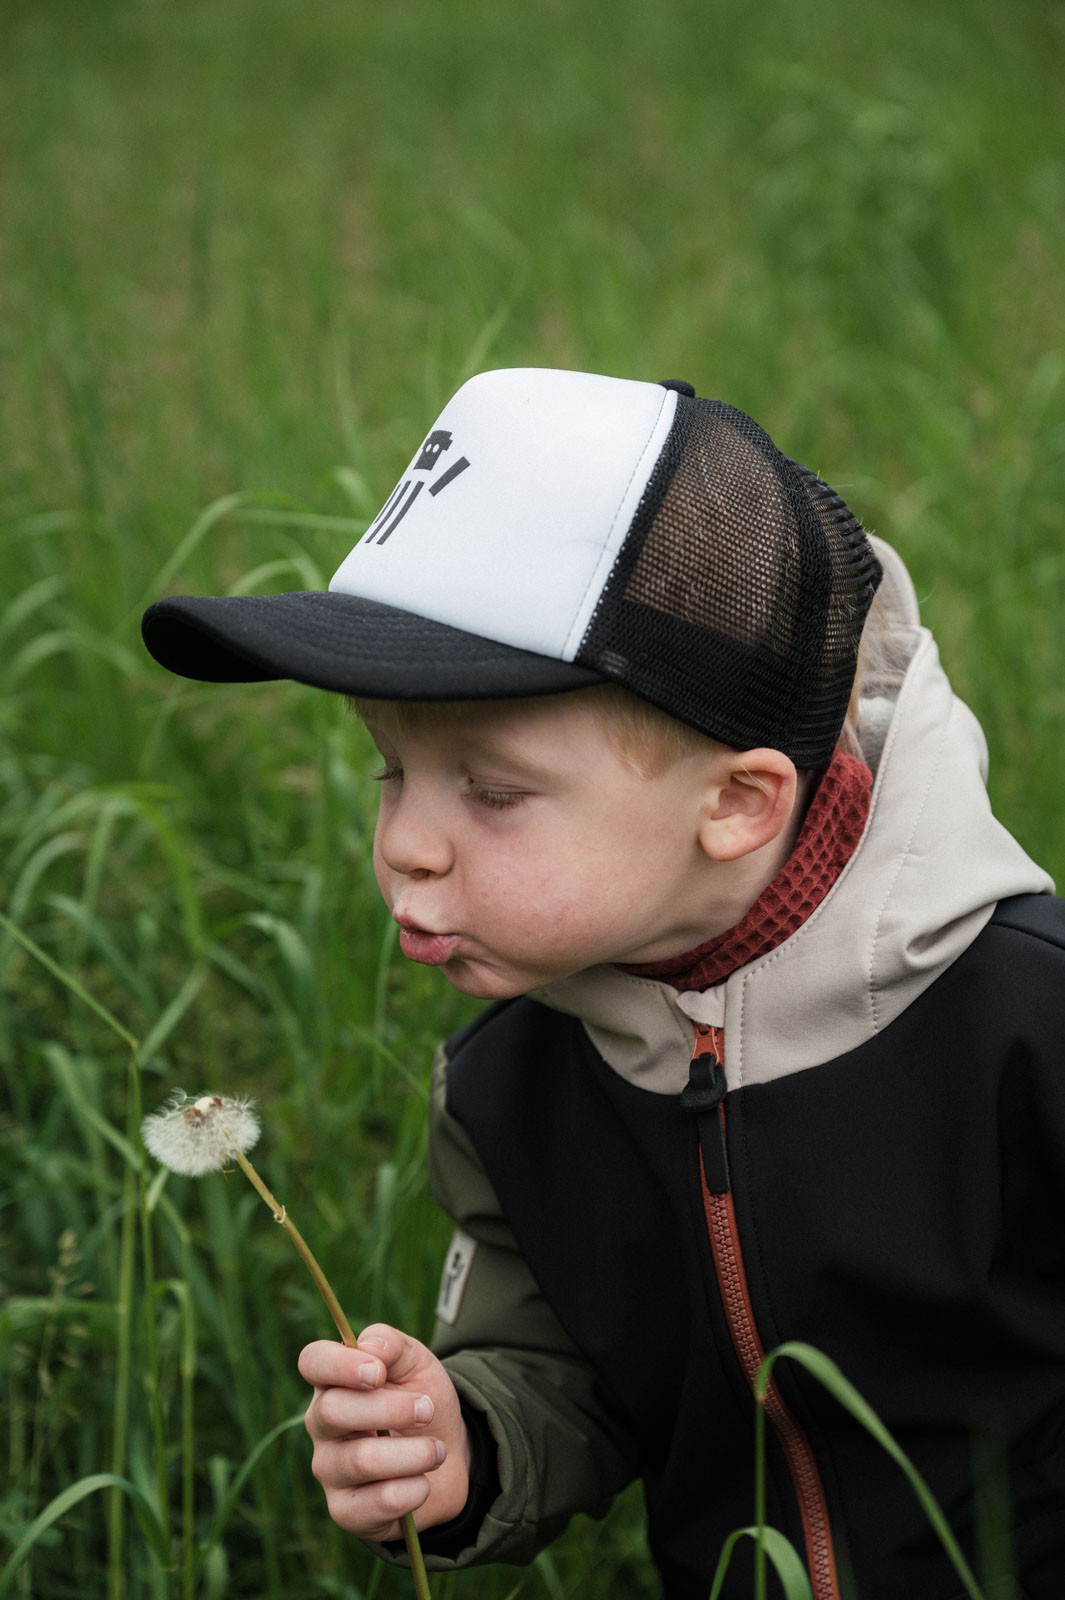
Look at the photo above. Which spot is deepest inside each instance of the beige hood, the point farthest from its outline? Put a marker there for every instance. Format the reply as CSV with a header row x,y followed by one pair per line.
x,y
925,879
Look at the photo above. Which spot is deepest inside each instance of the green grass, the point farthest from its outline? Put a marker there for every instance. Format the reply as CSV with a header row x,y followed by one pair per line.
x,y
247,251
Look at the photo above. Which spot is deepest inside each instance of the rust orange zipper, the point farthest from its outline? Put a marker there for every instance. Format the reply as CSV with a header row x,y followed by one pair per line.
x,y
706,1096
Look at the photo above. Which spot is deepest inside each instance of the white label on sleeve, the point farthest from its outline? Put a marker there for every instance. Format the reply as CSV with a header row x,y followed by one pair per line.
x,y
457,1266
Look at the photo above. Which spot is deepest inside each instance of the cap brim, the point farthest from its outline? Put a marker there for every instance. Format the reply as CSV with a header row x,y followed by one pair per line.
x,y
346,644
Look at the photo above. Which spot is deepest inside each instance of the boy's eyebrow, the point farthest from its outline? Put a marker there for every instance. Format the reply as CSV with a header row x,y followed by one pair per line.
x,y
507,752
508,748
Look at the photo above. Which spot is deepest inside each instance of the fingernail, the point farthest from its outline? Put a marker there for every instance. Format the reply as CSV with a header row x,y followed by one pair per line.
x,y
423,1408
368,1375
440,1453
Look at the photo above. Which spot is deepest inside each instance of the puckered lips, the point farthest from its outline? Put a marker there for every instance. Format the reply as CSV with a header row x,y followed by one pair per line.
x,y
420,944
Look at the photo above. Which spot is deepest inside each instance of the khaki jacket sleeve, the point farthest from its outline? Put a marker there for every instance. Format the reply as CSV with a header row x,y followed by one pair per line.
x,y
559,1449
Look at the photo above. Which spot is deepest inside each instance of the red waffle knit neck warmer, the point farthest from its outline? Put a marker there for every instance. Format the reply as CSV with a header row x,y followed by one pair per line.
x,y
826,842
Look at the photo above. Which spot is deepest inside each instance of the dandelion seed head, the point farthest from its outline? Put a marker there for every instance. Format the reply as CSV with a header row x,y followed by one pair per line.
x,y
197,1134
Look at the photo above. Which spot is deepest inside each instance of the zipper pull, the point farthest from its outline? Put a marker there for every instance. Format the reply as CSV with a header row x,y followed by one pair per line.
x,y
702,1096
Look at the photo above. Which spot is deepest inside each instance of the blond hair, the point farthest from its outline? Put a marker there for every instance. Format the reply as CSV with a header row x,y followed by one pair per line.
x,y
646,738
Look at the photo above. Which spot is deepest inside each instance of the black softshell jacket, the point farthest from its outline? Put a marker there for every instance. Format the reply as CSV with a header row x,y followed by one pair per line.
x,y
901,1209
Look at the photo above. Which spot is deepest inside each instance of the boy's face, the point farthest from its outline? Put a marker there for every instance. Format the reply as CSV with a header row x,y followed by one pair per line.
x,y
514,846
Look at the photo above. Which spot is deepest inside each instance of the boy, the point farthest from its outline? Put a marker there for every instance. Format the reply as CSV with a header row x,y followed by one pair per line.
x,y
770,1056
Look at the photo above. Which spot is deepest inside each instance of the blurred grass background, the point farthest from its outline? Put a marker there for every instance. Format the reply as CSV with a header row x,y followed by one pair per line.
x,y
246,252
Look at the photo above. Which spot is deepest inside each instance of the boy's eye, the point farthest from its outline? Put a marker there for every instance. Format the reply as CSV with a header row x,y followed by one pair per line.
x,y
385,774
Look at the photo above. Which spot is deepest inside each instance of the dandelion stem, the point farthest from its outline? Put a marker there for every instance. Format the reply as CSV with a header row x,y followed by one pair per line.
x,y
325,1288
344,1328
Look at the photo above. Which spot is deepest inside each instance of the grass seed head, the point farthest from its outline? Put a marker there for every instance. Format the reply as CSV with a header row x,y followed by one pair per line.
x,y
197,1135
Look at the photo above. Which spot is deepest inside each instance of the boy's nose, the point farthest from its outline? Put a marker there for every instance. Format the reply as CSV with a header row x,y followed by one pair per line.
x,y
413,843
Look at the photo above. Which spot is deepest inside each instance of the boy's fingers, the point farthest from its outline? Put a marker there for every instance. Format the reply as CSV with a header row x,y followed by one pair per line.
x,y
352,1463
374,1512
326,1363
381,1352
338,1412
401,1354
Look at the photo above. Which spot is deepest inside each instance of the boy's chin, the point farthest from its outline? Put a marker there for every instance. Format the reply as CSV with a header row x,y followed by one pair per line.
x,y
481,987
484,983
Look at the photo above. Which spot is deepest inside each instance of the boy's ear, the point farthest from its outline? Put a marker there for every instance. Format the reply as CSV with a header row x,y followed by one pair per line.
x,y
750,803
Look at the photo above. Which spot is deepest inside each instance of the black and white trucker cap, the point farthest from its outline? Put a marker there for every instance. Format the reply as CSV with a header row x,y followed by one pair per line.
x,y
556,530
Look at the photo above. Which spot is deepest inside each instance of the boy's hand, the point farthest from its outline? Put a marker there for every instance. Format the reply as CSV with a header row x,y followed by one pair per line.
x,y
390,1382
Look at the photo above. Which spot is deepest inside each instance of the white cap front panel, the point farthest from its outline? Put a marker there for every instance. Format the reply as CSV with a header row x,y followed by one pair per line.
x,y
509,518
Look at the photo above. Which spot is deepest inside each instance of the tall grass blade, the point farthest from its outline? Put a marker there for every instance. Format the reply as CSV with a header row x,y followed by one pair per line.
x,y
233,1493
72,1496
825,1370
173,1014
780,1551
67,978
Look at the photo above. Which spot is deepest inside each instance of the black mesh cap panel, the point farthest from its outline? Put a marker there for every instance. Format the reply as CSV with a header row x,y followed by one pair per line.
x,y
738,599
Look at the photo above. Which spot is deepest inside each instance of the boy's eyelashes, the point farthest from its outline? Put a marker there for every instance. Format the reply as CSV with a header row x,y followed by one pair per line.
x,y
495,799
484,794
